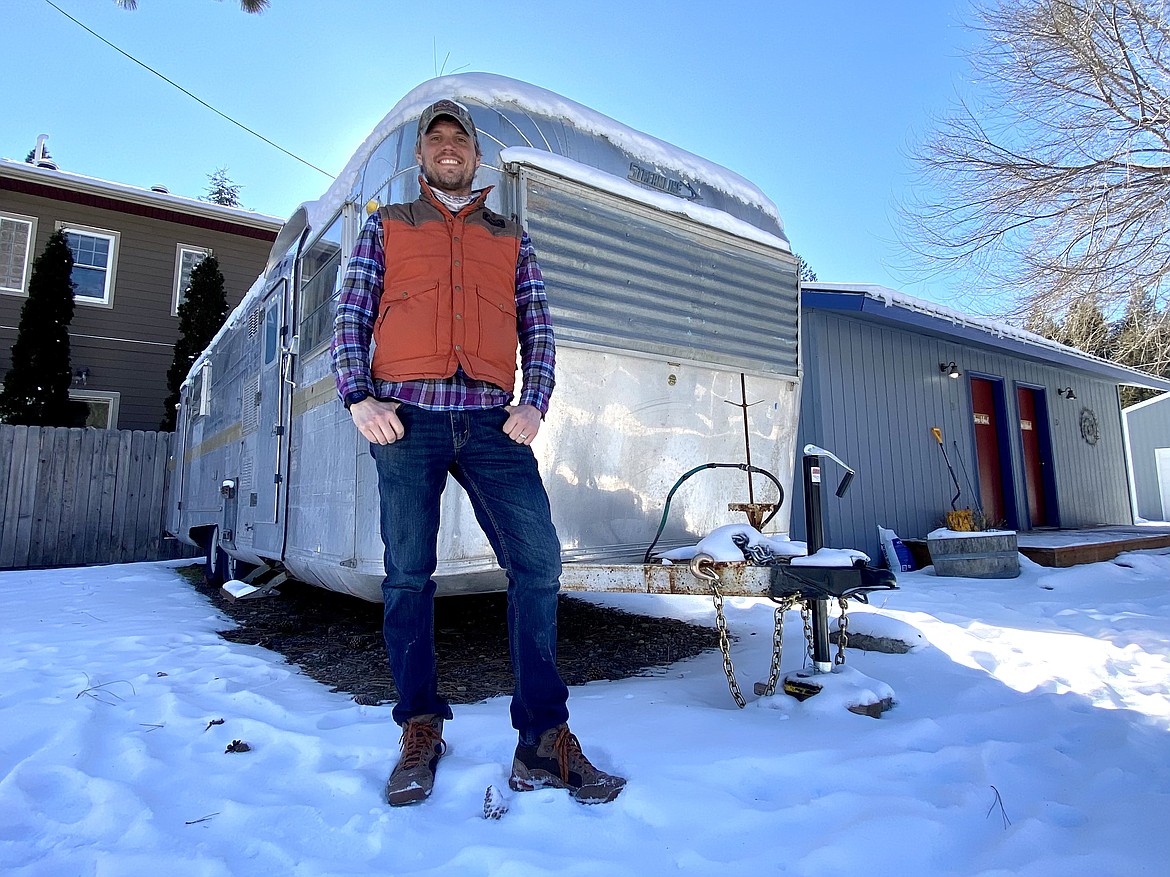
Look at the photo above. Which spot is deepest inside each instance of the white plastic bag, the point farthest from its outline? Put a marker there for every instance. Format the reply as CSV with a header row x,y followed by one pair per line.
x,y
898,556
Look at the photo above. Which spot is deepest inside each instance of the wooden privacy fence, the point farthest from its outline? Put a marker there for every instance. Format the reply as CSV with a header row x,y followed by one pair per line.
x,y
76,496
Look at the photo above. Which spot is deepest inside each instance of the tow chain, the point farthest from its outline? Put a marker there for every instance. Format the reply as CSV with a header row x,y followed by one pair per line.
x,y
701,568
843,634
806,617
782,606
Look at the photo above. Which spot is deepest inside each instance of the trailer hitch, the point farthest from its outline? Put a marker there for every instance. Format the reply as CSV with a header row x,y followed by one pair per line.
x,y
790,586
855,582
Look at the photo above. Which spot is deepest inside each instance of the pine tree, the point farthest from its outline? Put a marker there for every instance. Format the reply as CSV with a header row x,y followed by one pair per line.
x,y
221,190
36,388
1141,340
1085,328
201,314
32,156
1040,323
804,270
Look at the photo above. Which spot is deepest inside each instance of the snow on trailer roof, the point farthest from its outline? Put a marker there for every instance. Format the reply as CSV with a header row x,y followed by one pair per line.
x,y
883,302
623,188
561,127
557,125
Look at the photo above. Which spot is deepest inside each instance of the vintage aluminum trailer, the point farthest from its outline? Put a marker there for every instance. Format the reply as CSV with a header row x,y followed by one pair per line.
x,y
674,295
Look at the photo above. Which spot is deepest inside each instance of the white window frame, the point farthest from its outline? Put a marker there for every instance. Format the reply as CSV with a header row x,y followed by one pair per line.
x,y
31,222
110,398
180,249
107,299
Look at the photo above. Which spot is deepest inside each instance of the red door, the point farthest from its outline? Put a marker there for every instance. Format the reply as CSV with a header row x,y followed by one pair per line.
x,y
987,448
1034,441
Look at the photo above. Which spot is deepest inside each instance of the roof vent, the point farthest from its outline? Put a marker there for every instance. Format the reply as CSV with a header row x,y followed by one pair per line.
x,y
41,154
160,188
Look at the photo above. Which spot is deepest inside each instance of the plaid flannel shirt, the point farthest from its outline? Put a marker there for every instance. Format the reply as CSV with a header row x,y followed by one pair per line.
x,y
357,311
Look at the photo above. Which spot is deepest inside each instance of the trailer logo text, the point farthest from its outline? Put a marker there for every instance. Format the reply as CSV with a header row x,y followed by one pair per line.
x,y
663,183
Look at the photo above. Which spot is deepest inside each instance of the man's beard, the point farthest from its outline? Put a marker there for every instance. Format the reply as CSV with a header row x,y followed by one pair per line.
x,y
452,179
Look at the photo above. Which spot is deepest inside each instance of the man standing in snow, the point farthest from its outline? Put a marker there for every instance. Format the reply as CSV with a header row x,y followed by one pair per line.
x,y
446,290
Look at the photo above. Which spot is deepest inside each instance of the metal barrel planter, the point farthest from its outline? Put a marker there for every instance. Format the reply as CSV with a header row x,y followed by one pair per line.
x,y
982,555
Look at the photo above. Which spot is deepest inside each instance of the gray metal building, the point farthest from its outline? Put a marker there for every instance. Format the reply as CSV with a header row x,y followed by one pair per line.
x,y
1147,436
1032,429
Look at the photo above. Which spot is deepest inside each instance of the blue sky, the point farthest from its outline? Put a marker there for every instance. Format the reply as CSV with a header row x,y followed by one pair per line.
x,y
817,103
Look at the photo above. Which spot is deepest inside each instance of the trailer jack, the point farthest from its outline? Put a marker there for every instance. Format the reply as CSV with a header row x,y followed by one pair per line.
x,y
260,582
810,587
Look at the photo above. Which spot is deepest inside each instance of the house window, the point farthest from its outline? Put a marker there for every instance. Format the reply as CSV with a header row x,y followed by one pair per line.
x,y
16,238
95,257
186,258
103,407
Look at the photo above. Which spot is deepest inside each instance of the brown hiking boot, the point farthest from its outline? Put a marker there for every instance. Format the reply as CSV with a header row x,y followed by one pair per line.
x,y
414,775
557,761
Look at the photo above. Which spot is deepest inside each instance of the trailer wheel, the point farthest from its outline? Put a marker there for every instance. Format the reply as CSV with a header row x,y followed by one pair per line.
x,y
227,568
218,565
214,564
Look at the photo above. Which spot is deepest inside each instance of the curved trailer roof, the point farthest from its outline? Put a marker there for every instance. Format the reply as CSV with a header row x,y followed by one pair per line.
x,y
509,113
522,123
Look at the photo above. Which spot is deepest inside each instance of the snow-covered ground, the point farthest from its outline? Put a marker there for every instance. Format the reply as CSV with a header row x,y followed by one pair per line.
x,y
1029,737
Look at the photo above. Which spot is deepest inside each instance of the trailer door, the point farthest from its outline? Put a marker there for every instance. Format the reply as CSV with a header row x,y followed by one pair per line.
x,y
272,432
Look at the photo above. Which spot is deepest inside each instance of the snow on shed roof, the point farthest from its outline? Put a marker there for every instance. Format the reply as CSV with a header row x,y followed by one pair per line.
x,y
883,303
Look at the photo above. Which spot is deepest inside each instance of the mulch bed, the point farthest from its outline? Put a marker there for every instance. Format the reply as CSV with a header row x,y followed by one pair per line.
x,y
337,640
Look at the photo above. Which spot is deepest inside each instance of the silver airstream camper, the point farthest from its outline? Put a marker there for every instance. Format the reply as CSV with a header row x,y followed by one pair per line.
x,y
674,296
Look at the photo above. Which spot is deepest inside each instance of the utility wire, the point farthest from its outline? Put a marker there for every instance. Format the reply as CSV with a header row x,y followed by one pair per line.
x,y
189,94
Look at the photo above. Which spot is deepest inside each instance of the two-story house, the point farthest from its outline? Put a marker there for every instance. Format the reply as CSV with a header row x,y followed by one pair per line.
x,y
133,252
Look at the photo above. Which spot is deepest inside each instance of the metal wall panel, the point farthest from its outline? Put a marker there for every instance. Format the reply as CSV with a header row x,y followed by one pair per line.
x,y
871,395
1148,428
622,276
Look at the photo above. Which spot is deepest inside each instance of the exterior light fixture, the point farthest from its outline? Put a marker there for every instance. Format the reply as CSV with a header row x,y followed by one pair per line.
x,y
1067,393
950,369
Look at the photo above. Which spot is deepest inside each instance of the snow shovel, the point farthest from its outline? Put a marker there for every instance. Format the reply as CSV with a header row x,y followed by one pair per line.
x,y
958,490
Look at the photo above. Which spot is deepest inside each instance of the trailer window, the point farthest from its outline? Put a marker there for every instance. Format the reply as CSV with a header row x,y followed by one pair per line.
x,y
195,396
204,398
320,284
271,333
380,167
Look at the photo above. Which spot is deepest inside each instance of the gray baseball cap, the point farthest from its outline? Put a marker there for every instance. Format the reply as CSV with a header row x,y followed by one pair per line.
x,y
452,110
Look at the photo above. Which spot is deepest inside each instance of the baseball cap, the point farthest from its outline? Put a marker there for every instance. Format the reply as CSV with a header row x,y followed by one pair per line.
x,y
451,109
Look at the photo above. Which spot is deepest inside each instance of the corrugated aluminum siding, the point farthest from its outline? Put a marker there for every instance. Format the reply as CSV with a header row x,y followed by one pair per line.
x,y
622,275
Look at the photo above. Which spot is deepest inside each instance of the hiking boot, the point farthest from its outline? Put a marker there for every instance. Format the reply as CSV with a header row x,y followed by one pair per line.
x,y
557,761
414,775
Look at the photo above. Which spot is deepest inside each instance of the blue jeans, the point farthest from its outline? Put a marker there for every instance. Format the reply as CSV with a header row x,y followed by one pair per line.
x,y
510,503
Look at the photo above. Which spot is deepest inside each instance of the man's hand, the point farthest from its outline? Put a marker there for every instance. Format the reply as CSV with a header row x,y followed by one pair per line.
x,y
523,423
377,421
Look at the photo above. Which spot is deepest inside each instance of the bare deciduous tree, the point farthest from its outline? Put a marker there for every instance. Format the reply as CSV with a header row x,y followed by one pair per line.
x,y
1057,185
246,5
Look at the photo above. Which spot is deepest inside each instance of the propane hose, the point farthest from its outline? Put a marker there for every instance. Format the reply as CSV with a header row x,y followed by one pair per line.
x,y
743,467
